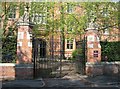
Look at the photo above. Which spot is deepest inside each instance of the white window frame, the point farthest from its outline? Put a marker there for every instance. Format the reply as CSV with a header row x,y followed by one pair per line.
x,y
70,44
39,18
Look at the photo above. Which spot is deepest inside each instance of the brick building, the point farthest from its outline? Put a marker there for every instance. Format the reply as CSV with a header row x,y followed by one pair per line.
x,y
52,41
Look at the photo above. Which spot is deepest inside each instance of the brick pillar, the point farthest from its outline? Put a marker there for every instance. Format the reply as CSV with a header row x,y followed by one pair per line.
x,y
24,67
93,46
24,44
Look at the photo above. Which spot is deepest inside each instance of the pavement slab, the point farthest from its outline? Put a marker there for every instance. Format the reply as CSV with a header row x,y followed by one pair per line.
x,y
104,80
63,83
23,83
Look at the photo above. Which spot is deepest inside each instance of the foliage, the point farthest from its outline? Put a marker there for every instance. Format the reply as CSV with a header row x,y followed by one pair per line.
x,y
104,14
8,33
111,50
9,49
77,54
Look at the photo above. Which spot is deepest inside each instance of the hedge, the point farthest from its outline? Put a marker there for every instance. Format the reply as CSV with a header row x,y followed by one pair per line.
x,y
9,49
111,50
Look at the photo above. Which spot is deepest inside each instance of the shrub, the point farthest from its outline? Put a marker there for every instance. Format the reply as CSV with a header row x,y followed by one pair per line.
x,y
78,53
9,49
111,50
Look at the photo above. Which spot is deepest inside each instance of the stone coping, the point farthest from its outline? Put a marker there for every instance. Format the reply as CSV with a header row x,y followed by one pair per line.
x,y
24,65
7,64
17,65
102,63
25,24
1,77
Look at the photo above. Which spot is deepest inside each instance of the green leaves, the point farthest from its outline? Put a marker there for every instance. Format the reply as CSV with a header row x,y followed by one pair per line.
x,y
9,49
111,50
9,42
1,8
102,13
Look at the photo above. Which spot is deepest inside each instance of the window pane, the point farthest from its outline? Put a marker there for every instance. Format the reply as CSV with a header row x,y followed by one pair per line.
x,y
39,18
69,44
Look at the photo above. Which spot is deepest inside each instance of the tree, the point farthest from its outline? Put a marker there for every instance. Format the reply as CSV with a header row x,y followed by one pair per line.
x,y
105,14
8,31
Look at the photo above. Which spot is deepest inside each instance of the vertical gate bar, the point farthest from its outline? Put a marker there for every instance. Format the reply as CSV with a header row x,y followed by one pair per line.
x,y
85,55
51,48
52,45
34,57
41,55
36,53
46,55
52,52
49,45
61,54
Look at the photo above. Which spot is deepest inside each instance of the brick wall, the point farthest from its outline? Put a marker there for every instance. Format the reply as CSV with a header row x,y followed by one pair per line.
x,y
103,68
24,71
7,71
10,71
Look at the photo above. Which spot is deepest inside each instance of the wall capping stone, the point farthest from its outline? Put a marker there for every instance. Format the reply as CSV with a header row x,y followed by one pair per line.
x,y
7,77
24,65
7,64
100,63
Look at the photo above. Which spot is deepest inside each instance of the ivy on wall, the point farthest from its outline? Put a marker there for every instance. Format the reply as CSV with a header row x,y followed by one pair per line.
x,y
110,51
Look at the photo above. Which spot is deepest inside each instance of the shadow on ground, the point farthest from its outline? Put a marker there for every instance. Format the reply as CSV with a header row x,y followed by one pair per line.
x,y
104,80
67,82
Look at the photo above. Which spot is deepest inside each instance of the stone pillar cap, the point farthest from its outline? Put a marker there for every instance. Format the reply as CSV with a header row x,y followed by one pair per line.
x,y
25,20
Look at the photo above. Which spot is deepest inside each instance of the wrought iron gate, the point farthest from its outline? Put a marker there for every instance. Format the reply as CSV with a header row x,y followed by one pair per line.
x,y
47,61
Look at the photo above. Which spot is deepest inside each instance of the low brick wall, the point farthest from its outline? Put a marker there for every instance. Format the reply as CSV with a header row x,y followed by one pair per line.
x,y
7,71
11,71
103,68
24,71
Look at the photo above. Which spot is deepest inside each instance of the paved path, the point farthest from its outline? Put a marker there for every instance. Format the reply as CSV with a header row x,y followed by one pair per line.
x,y
67,82
104,81
63,83
23,83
